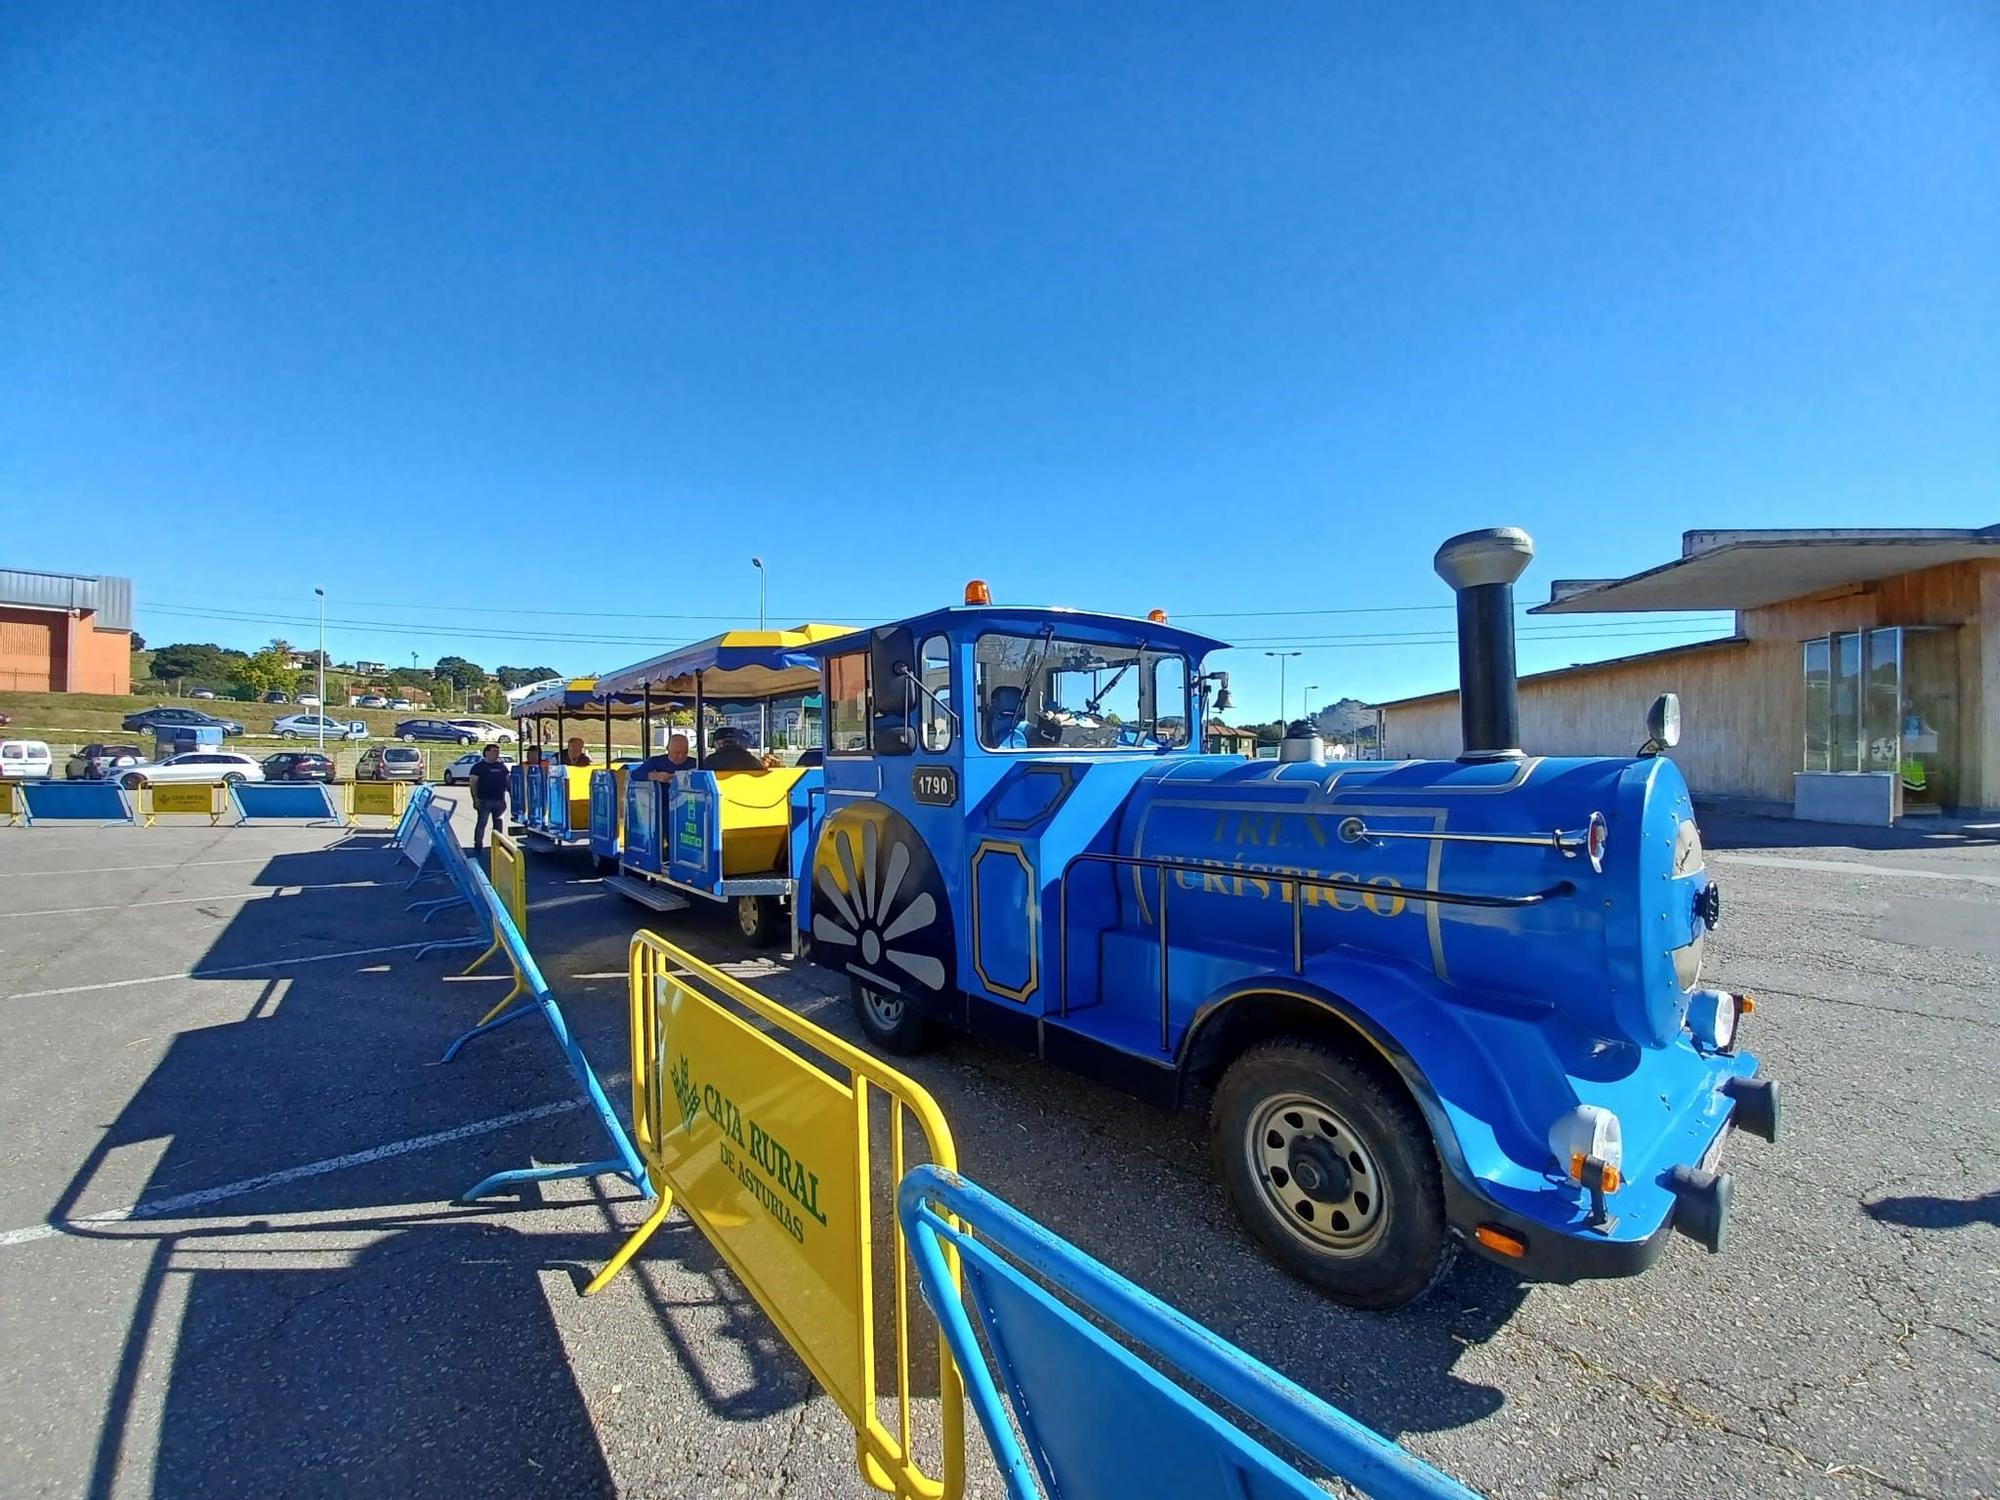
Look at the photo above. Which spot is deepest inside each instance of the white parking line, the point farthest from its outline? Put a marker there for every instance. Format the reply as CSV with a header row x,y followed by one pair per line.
x,y
268,963
262,892
192,864
167,1208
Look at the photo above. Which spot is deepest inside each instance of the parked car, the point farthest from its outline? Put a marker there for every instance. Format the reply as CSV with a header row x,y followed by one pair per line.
x,y
201,693
485,730
435,729
307,700
24,760
459,772
308,726
95,762
298,765
390,763
401,703
193,766
152,720
277,697
371,700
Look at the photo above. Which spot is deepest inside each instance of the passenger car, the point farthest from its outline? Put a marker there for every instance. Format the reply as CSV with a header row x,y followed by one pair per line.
x,y
390,763
485,729
196,766
94,762
152,720
24,760
459,772
276,697
298,765
308,726
401,703
371,700
437,729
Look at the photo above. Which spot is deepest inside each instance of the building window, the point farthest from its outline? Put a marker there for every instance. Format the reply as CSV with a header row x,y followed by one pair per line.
x,y
1885,700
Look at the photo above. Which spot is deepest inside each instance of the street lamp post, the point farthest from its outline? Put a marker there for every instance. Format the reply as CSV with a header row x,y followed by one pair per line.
x,y
758,564
319,670
1282,655
1305,701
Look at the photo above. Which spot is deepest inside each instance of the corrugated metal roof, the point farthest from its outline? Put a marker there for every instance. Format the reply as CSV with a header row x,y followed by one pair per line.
x,y
110,597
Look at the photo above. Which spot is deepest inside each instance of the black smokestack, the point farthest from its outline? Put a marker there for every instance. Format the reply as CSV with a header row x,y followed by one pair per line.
x,y
1481,567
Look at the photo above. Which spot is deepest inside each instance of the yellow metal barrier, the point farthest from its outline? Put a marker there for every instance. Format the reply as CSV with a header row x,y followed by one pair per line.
x,y
376,799
10,802
770,1155
510,883
157,800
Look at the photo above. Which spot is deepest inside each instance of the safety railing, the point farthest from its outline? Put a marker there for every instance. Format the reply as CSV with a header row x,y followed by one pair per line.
x,y
771,1154
510,879
1293,883
185,799
1066,1374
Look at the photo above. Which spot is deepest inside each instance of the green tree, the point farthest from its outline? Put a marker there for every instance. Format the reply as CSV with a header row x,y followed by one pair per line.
x,y
270,670
464,675
513,677
197,665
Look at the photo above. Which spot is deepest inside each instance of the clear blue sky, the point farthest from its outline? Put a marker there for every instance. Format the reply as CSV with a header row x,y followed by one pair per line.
x,y
1226,308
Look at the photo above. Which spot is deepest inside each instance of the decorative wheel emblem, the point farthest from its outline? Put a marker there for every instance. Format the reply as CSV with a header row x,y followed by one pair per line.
x,y
867,904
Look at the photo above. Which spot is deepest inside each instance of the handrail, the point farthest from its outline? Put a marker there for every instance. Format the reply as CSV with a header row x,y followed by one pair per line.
x,y
1568,845
1289,878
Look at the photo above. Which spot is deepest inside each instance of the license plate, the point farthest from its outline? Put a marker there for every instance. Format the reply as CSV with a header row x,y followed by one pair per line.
x,y
1712,1157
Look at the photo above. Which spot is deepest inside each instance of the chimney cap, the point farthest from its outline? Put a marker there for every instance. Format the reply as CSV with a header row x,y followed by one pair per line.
x,y
1496,554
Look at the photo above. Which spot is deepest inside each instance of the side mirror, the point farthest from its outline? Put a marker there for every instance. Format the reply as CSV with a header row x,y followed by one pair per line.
x,y
1663,722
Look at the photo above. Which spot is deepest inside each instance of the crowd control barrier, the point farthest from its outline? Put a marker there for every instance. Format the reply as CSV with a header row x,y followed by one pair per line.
x,y
624,1161
259,800
10,801
1091,1419
383,799
75,802
199,800
510,880
770,1155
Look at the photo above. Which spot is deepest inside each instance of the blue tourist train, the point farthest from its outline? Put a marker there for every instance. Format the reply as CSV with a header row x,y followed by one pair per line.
x,y
1430,1004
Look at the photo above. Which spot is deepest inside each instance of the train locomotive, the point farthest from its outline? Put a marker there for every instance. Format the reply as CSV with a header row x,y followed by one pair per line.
x,y
1431,1004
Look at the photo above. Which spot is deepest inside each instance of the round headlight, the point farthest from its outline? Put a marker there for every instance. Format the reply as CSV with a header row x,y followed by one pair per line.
x,y
1712,1019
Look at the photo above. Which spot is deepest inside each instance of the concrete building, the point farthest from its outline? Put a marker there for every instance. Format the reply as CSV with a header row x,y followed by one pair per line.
x,y
65,633
1861,683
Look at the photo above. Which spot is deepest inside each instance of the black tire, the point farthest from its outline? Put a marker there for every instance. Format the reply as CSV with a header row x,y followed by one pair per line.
x,y
893,1023
1340,1126
132,781
464,739
607,864
233,778
409,739
288,734
760,919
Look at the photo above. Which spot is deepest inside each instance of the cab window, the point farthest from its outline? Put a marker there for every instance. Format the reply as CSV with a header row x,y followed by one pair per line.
x,y
934,671
847,704
1041,692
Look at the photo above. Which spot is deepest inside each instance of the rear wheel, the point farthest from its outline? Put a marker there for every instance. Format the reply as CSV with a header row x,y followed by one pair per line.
x,y
233,778
288,734
760,919
132,783
607,864
1331,1168
892,1023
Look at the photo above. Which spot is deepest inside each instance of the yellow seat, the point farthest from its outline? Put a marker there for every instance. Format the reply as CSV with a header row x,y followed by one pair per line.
x,y
755,810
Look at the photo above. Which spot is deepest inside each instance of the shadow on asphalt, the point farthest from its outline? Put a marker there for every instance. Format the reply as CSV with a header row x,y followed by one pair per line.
x,y
426,1360
1921,1212
1721,829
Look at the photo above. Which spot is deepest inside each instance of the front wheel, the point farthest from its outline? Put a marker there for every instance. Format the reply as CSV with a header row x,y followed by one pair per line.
x,y
465,739
409,739
1331,1168
892,1023
760,919
133,783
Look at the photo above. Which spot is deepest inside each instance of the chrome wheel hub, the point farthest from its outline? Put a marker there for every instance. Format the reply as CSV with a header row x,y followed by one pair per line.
x,y
1317,1174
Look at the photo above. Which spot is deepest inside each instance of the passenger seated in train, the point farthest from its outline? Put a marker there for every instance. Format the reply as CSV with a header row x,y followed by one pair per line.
x,y
662,767
729,752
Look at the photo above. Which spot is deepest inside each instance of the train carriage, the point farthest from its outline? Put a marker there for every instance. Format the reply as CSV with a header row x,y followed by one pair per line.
x,y
736,834
1436,1003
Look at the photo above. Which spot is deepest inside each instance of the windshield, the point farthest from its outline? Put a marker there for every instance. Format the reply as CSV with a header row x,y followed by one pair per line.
x,y
1041,692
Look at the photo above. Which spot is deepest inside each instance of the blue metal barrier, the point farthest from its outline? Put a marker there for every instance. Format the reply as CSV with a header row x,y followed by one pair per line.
x,y
440,849
1100,1423
76,801
420,799
538,998
282,799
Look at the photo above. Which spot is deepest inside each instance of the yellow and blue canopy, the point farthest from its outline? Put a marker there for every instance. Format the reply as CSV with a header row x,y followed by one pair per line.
x,y
736,664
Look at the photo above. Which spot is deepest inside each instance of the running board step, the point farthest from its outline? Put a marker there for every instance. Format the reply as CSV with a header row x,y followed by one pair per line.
x,y
646,893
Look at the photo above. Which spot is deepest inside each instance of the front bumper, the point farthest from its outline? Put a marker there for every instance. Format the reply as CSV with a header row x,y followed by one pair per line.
x,y
1700,1208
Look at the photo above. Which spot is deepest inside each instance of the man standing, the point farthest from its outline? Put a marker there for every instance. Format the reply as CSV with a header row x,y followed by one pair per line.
x,y
489,781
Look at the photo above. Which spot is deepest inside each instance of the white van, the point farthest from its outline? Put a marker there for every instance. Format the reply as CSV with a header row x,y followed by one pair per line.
x,y
24,760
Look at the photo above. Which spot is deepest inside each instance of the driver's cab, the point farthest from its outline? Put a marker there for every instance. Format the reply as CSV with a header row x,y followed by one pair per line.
x,y
971,754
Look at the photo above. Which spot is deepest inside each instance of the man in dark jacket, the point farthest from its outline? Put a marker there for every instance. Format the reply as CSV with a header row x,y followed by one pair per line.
x,y
489,782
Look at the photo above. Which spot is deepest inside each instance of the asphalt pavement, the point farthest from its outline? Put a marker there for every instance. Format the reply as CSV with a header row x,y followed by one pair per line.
x,y
231,1262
